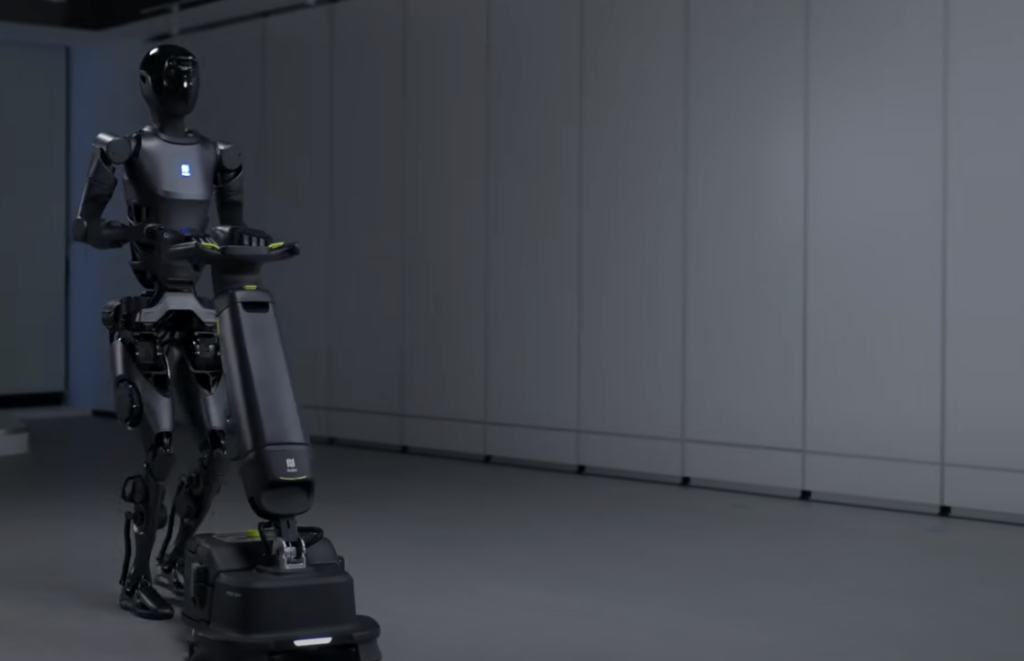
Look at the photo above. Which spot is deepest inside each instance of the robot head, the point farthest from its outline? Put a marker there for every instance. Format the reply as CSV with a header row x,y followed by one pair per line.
x,y
169,78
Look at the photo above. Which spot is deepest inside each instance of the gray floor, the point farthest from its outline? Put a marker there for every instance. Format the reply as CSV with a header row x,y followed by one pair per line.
x,y
469,562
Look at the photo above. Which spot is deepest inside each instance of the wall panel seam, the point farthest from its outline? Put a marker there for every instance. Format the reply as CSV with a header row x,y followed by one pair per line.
x,y
944,263
805,303
685,227
403,221
262,155
331,273
488,174
581,135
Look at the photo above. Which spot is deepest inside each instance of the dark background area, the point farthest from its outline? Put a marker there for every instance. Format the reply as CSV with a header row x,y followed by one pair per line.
x,y
85,14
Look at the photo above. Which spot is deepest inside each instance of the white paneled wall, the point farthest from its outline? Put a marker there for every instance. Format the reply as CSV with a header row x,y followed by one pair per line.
x,y
745,241
875,235
533,229
985,272
445,237
771,243
365,292
631,337
297,196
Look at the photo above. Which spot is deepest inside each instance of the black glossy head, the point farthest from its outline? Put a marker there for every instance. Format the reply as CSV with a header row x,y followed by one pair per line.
x,y
169,78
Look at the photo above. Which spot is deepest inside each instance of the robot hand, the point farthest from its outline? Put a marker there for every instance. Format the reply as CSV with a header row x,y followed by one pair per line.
x,y
99,233
156,236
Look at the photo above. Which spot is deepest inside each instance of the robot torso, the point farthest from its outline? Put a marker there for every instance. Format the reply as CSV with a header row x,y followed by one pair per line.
x,y
170,181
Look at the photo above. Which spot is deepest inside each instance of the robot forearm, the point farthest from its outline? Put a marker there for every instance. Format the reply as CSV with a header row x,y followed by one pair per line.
x,y
99,188
230,185
108,152
229,202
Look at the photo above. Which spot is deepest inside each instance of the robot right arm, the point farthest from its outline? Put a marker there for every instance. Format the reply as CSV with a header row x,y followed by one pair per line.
x,y
108,152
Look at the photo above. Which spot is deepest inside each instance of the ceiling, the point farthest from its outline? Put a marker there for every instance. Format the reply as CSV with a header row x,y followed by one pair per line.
x,y
86,14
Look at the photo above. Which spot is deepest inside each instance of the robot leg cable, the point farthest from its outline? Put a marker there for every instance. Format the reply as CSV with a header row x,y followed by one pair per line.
x,y
145,493
192,502
127,563
170,524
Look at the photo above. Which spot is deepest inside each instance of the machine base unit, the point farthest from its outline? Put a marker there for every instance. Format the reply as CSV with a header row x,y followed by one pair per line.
x,y
235,603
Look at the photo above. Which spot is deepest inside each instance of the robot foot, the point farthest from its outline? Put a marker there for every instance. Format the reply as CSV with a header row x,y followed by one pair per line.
x,y
146,602
172,581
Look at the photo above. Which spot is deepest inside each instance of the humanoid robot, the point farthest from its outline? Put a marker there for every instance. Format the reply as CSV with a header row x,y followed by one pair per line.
x,y
277,588
170,176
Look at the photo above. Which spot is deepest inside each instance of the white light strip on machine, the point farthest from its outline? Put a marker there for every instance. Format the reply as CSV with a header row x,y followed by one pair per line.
x,y
309,642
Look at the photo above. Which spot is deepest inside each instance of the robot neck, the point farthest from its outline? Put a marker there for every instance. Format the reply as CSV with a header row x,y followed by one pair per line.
x,y
170,125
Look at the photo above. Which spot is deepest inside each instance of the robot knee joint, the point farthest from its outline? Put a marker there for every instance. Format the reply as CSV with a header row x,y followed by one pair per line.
x,y
111,315
189,491
136,492
215,453
160,461
205,353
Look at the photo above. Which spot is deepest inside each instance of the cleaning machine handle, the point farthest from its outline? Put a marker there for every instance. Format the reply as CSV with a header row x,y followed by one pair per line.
x,y
180,245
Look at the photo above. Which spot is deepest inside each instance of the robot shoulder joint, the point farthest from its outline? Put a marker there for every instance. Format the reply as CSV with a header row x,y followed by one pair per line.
x,y
115,149
229,157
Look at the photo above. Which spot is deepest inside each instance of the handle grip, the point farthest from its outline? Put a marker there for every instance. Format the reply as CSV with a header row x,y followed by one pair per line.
x,y
213,254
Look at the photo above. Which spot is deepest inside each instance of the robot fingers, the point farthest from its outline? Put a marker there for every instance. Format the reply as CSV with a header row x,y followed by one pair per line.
x,y
252,237
241,235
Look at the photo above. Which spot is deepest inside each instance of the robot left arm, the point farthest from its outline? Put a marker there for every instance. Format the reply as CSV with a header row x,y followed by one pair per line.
x,y
230,185
108,152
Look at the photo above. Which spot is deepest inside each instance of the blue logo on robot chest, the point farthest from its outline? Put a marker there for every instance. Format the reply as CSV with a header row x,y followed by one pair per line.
x,y
186,170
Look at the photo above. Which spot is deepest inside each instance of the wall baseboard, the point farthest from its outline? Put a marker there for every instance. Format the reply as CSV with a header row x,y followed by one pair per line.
x,y
31,400
914,509
892,506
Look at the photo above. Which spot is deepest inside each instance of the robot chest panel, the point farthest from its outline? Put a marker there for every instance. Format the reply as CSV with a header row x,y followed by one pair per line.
x,y
175,172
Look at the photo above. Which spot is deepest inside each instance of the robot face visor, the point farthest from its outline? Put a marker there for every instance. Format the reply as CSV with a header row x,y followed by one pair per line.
x,y
180,84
